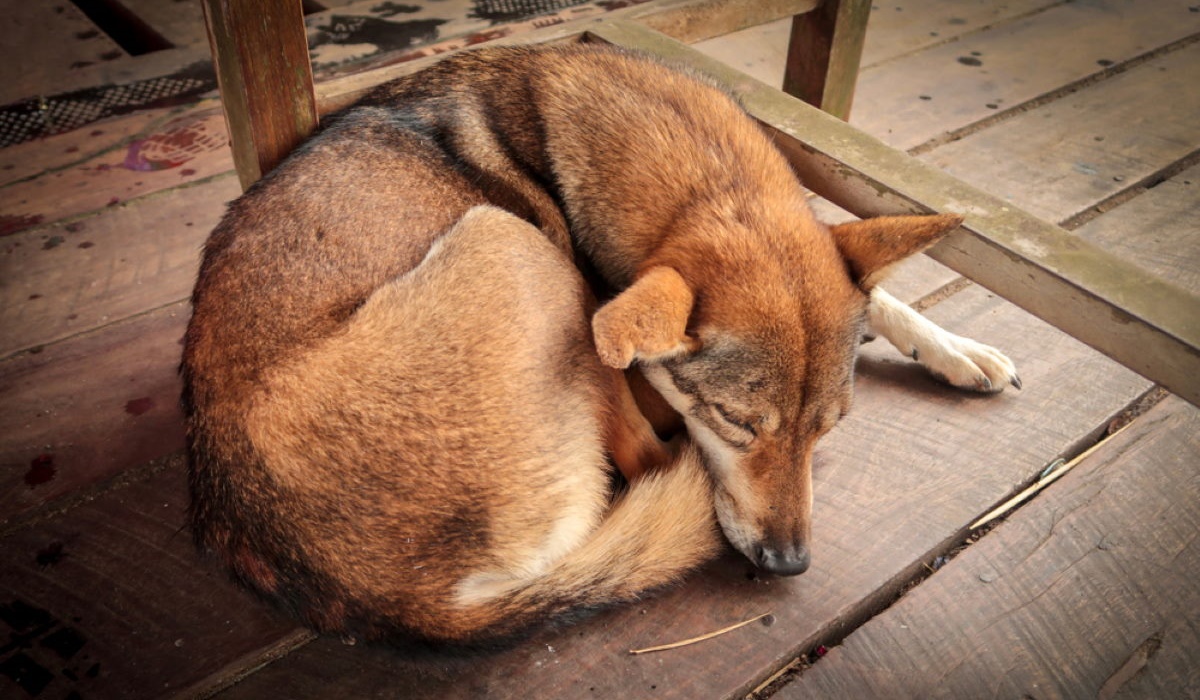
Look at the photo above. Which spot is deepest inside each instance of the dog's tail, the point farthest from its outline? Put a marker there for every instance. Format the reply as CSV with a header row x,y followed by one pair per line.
x,y
662,527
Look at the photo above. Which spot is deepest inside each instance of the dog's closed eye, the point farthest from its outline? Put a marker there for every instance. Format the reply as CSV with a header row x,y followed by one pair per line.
x,y
741,423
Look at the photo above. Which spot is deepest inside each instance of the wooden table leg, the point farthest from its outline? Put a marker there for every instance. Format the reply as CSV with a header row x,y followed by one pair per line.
x,y
823,54
263,69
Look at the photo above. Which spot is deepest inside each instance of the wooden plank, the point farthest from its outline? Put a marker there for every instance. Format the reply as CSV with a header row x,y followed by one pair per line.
x,y
94,93
1089,591
897,28
685,20
352,32
84,410
690,20
188,146
940,90
124,70
66,279
260,52
32,158
1114,306
1089,145
901,27
895,481
1156,230
110,600
179,23
824,49
43,43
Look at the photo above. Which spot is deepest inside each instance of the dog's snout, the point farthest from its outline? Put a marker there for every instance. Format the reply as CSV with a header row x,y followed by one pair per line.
x,y
785,561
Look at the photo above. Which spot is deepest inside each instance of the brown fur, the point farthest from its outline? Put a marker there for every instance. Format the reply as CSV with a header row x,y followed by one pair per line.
x,y
397,416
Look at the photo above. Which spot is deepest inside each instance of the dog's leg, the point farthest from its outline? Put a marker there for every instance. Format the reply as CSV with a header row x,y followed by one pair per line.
x,y
959,361
634,446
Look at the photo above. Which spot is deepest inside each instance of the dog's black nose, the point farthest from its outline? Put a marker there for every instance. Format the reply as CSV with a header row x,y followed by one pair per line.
x,y
788,561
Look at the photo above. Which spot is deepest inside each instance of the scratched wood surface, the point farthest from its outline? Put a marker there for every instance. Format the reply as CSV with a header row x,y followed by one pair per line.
x,y
69,278
54,40
942,89
31,158
1090,591
1090,144
186,146
110,601
79,412
896,28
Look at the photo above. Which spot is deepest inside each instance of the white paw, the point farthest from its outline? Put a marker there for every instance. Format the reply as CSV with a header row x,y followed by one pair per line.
x,y
965,363
956,360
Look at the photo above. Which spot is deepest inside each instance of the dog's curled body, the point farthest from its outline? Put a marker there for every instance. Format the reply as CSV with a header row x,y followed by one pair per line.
x,y
395,409
398,398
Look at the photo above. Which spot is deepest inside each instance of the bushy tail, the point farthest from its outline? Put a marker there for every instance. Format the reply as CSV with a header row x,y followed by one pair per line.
x,y
661,528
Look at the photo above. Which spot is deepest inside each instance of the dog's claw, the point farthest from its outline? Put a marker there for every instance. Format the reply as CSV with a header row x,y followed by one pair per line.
x,y
916,355
1015,381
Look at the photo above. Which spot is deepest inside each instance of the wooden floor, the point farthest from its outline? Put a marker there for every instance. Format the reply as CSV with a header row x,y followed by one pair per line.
x,y
1086,113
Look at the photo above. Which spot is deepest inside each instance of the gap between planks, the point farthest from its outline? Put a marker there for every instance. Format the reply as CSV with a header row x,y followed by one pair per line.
x,y
956,38
925,566
1051,96
1140,474
1131,192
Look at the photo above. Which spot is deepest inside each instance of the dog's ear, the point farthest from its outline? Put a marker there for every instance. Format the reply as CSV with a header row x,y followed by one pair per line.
x,y
871,246
647,321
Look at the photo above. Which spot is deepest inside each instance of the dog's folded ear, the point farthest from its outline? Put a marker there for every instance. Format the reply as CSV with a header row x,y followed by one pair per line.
x,y
646,322
871,246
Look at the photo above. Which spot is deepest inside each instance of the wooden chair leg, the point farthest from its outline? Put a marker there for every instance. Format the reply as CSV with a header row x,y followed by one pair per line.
x,y
261,53
824,52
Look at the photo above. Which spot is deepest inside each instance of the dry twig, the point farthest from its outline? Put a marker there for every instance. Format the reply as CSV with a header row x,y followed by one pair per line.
x,y
701,638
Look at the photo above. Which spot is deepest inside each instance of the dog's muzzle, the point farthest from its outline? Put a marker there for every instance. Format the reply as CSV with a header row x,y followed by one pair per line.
x,y
788,561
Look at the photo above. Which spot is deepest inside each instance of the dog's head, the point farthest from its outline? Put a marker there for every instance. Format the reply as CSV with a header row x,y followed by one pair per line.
x,y
754,346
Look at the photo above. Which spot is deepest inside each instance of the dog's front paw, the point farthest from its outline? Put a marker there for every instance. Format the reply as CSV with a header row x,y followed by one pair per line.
x,y
966,364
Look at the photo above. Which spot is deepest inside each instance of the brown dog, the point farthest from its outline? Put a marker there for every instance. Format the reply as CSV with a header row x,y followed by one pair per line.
x,y
398,419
